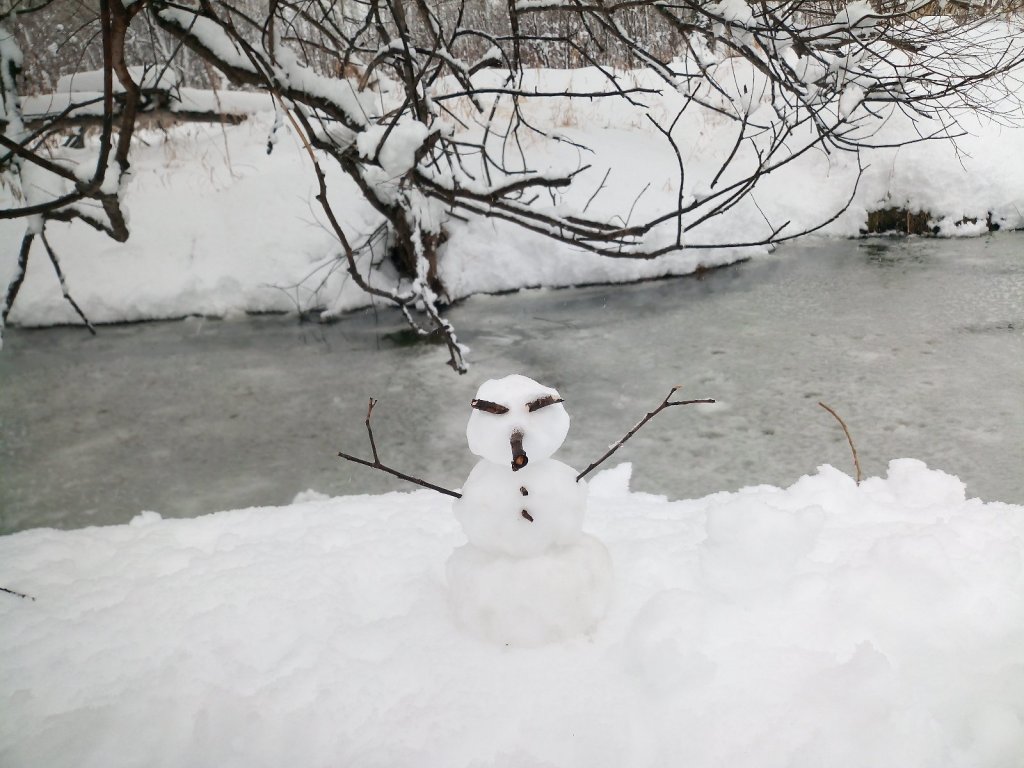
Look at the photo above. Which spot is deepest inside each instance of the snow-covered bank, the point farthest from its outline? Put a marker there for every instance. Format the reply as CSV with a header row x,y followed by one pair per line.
x,y
823,624
219,227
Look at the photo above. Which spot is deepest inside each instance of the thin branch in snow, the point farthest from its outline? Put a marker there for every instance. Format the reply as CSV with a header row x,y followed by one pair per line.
x,y
853,448
22,595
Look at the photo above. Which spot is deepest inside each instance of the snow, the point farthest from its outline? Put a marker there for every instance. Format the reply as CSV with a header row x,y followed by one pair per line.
x,y
210,36
394,146
858,14
821,624
92,81
9,48
530,601
341,93
733,11
853,97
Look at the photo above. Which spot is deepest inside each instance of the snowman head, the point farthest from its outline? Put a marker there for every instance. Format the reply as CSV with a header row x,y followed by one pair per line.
x,y
516,419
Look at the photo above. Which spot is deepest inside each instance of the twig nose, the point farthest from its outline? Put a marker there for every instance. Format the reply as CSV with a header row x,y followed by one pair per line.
x,y
519,457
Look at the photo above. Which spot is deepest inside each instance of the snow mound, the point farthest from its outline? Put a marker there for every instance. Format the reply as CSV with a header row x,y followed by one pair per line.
x,y
822,624
612,482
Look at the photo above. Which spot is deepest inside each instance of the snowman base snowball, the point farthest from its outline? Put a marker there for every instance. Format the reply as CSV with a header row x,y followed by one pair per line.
x,y
529,601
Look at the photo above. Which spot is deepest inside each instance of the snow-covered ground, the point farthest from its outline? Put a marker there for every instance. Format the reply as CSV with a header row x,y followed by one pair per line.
x,y
220,227
824,624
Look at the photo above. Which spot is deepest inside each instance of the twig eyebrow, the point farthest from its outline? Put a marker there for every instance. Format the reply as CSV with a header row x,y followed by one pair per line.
x,y
543,402
487,405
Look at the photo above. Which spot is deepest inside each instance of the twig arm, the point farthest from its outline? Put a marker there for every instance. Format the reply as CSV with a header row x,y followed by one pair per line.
x,y
376,463
396,473
668,402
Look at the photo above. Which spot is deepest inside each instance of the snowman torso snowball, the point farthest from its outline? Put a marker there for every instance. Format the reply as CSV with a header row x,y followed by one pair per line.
x,y
525,513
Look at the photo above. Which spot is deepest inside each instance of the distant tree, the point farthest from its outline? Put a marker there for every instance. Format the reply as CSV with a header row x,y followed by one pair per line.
x,y
421,104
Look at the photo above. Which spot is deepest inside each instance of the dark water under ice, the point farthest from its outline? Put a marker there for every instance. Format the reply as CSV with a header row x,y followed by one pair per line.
x,y
918,344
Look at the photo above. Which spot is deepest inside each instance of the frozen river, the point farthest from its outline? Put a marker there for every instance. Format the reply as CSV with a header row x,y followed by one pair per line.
x,y
918,344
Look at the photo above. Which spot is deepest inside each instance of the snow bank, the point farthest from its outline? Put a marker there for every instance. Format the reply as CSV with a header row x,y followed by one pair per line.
x,y
220,227
821,625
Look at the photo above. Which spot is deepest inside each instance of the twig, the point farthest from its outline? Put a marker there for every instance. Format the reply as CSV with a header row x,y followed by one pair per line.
x,y
666,403
853,449
17,594
376,463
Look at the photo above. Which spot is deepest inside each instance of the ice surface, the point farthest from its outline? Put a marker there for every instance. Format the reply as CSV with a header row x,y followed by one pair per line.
x,y
529,601
889,633
543,430
492,505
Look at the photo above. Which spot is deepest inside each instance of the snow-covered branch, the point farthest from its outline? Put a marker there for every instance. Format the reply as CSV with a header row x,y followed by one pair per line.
x,y
434,113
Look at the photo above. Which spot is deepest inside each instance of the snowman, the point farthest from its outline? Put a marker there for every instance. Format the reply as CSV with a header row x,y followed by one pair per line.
x,y
528,574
